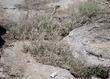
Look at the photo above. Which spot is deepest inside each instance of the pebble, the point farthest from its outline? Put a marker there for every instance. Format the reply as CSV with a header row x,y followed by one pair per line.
x,y
53,75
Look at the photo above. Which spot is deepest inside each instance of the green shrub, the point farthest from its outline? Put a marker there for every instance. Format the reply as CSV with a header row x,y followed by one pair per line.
x,y
89,9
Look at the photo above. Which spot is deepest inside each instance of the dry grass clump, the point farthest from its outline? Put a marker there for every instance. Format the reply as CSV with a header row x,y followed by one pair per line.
x,y
55,54
40,28
49,53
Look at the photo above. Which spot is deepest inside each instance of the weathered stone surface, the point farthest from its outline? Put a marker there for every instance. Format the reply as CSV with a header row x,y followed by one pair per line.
x,y
23,66
91,44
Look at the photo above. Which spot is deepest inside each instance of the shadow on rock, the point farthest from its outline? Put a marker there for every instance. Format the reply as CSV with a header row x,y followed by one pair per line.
x,y
2,32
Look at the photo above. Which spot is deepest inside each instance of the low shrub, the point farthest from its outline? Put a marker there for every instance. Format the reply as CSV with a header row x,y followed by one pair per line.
x,y
89,9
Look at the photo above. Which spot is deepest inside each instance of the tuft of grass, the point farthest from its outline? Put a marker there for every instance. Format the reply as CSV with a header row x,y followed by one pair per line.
x,y
89,9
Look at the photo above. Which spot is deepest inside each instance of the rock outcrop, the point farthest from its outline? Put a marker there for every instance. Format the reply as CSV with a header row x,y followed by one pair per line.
x,y
90,44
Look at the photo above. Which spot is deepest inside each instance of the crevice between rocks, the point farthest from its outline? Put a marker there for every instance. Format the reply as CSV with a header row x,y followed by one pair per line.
x,y
98,56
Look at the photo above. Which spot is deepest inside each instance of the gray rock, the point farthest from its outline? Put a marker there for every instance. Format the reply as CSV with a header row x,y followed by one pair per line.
x,y
90,44
23,66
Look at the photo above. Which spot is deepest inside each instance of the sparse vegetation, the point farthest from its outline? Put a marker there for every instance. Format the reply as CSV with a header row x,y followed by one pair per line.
x,y
89,9
52,53
41,27
55,54
49,53
93,12
45,33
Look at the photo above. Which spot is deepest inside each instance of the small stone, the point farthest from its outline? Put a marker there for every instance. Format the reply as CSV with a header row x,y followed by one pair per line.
x,y
53,75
